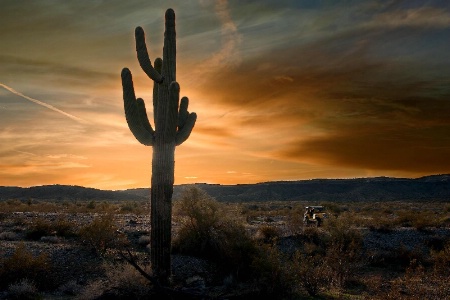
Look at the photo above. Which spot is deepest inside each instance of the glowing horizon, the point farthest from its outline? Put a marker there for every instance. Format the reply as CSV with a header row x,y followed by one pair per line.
x,y
283,90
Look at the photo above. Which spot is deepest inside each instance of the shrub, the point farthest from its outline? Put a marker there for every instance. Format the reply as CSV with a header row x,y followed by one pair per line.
x,y
418,284
101,234
71,288
310,273
24,265
39,228
125,277
144,240
269,234
381,224
50,239
207,232
441,260
294,220
63,227
122,282
333,208
344,250
8,236
128,207
91,205
23,290
313,236
272,273
42,227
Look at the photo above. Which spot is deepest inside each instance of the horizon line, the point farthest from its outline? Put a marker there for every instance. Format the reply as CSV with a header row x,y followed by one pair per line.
x,y
236,184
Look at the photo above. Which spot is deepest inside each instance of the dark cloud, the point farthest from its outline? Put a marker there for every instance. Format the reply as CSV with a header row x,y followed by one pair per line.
x,y
364,111
415,150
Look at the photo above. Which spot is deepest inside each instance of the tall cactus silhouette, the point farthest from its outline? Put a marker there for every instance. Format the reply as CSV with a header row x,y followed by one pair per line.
x,y
173,125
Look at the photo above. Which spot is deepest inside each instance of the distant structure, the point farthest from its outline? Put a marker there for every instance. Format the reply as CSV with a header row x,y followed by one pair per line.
x,y
173,125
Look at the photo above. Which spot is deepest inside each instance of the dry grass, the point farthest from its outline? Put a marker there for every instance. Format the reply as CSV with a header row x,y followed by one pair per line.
x,y
101,234
245,243
23,290
21,265
111,207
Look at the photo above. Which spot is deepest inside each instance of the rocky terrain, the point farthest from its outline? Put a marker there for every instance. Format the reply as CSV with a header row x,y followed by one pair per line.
x,y
74,266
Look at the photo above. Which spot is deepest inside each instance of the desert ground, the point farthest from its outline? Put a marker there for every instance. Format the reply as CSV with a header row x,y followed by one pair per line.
x,y
363,250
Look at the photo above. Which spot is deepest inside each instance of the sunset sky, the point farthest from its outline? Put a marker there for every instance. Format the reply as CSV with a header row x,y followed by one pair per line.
x,y
283,90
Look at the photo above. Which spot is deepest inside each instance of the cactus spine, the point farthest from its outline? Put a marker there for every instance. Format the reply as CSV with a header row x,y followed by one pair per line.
x,y
173,125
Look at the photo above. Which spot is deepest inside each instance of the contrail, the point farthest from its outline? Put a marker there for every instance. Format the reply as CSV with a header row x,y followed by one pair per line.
x,y
42,103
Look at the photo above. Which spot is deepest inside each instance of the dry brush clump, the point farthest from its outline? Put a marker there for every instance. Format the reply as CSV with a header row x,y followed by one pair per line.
x,y
42,227
440,259
329,257
268,234
21,265
310,272
121,281
415,283
272,273
101,234
23,290
206,231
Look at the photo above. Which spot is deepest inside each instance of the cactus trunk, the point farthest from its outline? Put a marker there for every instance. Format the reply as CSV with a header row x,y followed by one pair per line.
x,y
161,208
173,125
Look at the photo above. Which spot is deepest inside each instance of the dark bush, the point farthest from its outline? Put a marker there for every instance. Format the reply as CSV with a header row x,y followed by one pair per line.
x,y
310,273
101,234
207,232
24,265
39,228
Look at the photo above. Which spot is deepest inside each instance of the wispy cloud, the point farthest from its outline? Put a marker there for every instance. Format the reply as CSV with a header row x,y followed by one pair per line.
x,y
413,17
231,38
228,54
51,107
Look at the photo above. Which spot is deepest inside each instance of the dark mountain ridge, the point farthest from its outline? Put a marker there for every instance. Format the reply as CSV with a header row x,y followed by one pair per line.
x,y
428,188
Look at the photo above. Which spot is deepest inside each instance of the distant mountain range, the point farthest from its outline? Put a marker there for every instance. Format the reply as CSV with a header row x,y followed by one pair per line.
x,y
428,188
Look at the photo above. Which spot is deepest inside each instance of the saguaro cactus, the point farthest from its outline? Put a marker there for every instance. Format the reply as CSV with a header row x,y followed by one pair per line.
x,y
173,125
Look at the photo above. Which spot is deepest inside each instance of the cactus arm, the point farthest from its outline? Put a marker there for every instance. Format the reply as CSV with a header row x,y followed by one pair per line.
x,y
185,131
143,58
170,49
158,66
132,111
186,122
183,113
172,117
143,116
